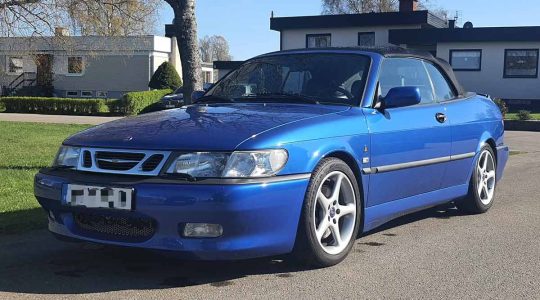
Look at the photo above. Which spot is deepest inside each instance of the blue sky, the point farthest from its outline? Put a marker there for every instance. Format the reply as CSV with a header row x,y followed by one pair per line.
x,y
246,23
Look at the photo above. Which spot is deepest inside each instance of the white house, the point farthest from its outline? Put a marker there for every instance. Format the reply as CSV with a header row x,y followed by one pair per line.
x,y
90,66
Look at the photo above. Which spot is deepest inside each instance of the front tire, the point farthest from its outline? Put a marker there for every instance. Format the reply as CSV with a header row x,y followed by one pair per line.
x,y
482,186
330,217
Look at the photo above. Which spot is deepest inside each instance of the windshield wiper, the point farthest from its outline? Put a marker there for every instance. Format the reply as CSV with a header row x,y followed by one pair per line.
x,y
213,99
288,96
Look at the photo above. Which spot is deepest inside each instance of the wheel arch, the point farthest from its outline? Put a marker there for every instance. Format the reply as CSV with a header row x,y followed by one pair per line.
x,y
349,159
487,139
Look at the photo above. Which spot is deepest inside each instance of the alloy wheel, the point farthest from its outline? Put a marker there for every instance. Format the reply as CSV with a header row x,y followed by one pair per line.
x,y
334,213
485,177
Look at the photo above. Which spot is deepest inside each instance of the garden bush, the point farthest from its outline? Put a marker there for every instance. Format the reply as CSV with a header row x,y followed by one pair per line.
x,y
524,115
58,106
136,102
502,106
165,77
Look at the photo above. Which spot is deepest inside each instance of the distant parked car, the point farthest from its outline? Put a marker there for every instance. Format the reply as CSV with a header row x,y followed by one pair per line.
x,y
293,152
176,99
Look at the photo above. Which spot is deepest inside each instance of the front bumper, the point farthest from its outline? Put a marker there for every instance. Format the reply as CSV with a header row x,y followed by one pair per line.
x,y
258,219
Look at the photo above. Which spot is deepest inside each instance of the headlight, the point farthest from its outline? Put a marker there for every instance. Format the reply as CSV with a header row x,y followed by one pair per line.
x,y
230,165
67,156
199,164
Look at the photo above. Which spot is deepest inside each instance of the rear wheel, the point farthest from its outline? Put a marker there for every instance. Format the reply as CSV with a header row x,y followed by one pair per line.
x,y
482,186
330,216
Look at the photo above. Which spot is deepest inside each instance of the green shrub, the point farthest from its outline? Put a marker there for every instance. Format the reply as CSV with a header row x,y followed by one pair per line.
x,y
165,77
56,106
502,106
524,115
136,102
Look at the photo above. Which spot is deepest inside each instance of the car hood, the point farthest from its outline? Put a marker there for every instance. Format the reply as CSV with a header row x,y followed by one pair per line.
x,y
197,127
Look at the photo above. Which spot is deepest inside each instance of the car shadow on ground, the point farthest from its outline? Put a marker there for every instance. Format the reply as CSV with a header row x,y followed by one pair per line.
x,y
80,268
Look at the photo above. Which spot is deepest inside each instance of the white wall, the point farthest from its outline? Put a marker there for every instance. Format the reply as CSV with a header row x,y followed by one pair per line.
x,y
341,37
490,79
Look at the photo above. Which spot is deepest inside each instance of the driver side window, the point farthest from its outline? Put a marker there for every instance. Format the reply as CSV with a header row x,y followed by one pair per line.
x,y
399,72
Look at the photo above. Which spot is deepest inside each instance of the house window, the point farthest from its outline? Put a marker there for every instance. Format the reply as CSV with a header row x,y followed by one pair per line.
x,y
101,94
318,40
521,63
87,94
207,76
72,94
75,65
15,65
366,39
466,60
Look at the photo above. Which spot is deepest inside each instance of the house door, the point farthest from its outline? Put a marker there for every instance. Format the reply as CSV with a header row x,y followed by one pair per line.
x,y
44,72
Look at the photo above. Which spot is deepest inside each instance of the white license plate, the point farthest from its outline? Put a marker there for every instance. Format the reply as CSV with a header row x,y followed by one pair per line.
x,y
170,106
99,197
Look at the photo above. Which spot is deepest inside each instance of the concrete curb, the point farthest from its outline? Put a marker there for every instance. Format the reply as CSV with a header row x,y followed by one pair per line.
x,y
518,125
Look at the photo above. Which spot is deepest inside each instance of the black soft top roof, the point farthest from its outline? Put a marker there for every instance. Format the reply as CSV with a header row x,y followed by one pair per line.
x,y
391,52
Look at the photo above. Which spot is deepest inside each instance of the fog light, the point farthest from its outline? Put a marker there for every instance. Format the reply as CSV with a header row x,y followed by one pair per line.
x,y
202,230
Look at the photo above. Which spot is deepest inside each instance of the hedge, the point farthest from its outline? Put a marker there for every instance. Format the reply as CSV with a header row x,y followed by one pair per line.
x,y
136,102
59,106
131,104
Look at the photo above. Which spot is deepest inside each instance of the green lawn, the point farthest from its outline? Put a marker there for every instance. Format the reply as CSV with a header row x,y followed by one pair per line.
x,y
24,149
513,116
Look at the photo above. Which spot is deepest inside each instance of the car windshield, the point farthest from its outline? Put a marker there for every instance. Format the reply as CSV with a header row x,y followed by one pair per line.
x,y
319,78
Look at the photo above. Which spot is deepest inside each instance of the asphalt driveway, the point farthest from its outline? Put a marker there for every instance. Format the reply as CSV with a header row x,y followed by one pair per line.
x,y
437,253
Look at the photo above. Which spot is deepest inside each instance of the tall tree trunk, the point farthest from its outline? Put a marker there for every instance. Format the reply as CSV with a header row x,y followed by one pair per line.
x,y
186,33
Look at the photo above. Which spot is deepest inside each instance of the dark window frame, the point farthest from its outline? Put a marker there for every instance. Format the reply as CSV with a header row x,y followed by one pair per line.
x,y
422,61
310,35
367,32
466,50
505,75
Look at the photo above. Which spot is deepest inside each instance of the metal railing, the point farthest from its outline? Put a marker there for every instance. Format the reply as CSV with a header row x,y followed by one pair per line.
x,y
23,80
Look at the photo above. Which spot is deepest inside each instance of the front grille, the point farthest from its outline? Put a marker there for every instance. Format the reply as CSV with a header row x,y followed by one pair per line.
x,y
118,161
116,227
123,161
152,163
87,159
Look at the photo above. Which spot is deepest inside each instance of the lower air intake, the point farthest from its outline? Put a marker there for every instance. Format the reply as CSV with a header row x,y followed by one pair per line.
x,y
116,227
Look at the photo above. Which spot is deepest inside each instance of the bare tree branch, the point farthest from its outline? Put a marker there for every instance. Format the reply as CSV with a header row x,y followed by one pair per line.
x,y
214,48
333,7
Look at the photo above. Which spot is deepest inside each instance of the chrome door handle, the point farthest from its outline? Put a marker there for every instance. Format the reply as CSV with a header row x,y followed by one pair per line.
x,y
440,117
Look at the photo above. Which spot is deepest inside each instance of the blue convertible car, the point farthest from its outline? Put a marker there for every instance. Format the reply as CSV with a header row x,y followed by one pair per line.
x,y
294,152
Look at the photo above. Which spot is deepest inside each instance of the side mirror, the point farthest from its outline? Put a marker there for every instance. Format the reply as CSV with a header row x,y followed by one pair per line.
x,y
401,97
196,95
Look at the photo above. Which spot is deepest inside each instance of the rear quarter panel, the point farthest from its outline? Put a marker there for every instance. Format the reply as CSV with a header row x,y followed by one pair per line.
x,y
474,121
